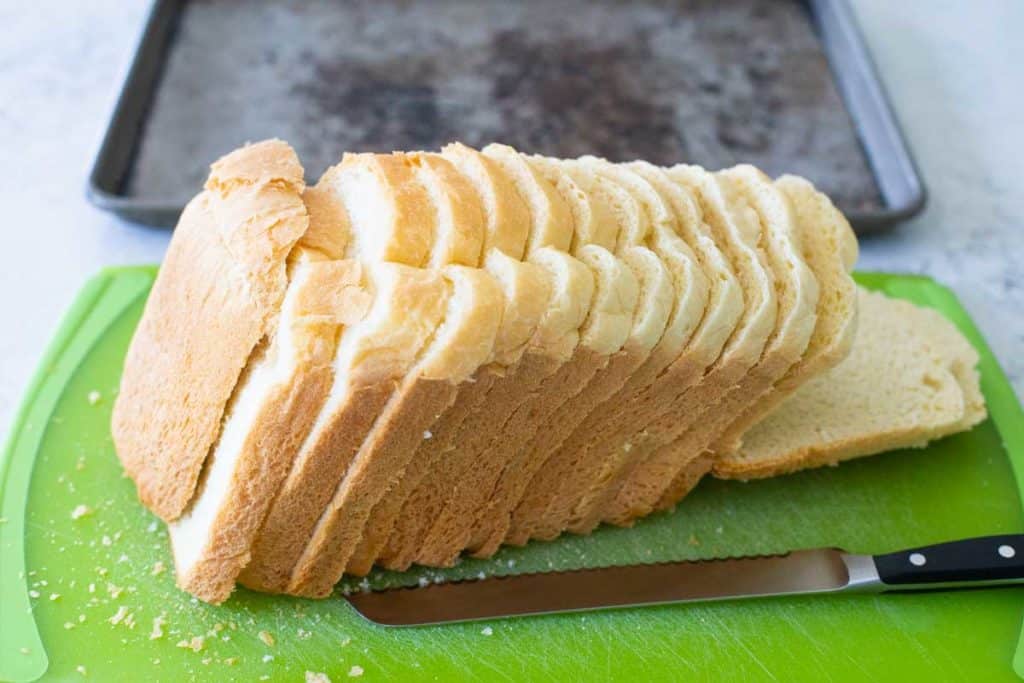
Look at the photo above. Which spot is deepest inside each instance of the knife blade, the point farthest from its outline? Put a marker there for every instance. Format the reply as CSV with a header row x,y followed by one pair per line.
x,y
992,560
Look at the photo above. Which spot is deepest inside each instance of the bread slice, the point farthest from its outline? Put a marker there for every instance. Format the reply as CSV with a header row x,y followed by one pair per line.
x,y
910,378
555,366
503,180
506,221
596,225
603,335
216,297
653,386
273,407
459,240
551,221
589,225
460,345
507,217
411,505
385,197
594,219
798,293
606,452
416,196
460,217
553,492
567,286
737,229
371,358
830,249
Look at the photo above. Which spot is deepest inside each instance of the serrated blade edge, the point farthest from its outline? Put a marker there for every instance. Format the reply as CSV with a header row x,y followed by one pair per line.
x,y
799,572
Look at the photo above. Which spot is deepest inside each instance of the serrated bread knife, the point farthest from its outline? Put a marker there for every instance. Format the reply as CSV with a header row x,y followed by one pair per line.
x,y
985,561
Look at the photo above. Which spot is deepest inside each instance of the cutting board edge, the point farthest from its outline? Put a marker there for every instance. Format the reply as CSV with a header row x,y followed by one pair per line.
x,y
102,299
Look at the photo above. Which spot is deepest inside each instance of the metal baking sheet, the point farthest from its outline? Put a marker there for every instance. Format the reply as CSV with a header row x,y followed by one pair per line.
x,y
785,85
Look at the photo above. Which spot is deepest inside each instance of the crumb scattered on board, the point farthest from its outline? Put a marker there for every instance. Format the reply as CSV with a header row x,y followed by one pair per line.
x,y
158,628
196,644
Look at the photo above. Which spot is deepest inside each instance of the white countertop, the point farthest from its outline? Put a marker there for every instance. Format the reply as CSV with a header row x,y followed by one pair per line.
x,y
952,71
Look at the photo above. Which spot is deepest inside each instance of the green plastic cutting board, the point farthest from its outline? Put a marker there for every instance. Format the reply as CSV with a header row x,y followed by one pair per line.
x,y
79,596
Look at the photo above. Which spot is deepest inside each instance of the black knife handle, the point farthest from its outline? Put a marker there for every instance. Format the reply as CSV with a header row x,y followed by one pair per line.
x,y
973,561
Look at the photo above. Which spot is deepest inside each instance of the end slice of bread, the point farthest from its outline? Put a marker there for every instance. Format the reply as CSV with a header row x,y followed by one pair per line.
x,y
274,406
910,378
216,297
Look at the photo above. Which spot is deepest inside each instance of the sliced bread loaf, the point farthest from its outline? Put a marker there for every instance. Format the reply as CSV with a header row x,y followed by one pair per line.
x,y
910,378
272,409
216,297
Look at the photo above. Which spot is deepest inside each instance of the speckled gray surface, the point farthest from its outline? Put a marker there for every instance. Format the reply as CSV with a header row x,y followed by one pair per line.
x,y
949,67
710,82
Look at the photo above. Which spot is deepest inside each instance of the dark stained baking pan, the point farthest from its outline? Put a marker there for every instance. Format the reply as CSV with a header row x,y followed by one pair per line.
x,y
782,84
